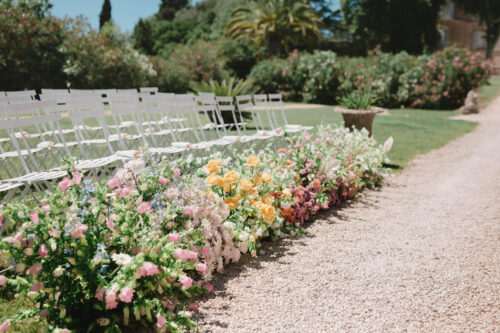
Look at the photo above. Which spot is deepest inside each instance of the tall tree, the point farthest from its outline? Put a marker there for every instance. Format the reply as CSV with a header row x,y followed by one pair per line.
x,y
105,15
489,14
395,25
278,25
168,8
143,36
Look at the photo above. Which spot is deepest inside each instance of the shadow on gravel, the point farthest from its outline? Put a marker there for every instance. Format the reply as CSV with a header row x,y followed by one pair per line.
x,y
273,251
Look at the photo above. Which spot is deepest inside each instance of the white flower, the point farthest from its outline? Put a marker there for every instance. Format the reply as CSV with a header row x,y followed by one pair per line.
x,y
122,259
388,144
58,271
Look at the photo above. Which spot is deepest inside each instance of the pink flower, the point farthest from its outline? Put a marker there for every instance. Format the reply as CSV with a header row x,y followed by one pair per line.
x,y
34,269
110,224
4,327
205,251
202,268
174,237
163,181
124,192
111,302
144,207
177,172
79,231
126,295
113,183
37,287
160,321
99,294
46,208
209,287
194,307
185,255
77,178
34,218
43,251
188,211
186,281
148,269
1,219
3,281
65,184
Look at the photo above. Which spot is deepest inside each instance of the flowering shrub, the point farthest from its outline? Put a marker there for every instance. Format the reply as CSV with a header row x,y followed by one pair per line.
x,y
137,250
443,79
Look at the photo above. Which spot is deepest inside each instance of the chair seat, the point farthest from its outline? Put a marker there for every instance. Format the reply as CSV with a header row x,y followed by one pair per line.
x,y
7,186
97,163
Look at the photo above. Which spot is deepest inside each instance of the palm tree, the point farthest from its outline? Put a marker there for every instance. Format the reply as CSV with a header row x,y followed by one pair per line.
x,y
278,25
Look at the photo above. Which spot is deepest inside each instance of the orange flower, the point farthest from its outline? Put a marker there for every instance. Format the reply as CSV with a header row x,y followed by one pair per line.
x,y
287,193
247,186
268,199
215,180
214,166
268,213
233,202
252,161
230,178
266,178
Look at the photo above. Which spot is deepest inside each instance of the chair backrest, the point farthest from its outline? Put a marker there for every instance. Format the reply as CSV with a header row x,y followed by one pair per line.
x,y
32,154
60,96
133,91
259,99
148,90
275,98
22,96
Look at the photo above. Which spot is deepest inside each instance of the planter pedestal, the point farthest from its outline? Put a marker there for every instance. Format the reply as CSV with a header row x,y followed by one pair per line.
x,y
359,119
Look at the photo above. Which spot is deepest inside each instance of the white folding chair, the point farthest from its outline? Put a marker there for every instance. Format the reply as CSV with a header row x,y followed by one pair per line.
x,y
22,96
245,104
276,104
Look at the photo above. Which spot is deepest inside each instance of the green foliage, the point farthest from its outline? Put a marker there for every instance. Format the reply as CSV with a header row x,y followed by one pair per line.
x,y
395,25
143,36
239,56
170,77
230,87
358,100
169,8
105,15
271,76
200,59
103,60
316,75
277,25
442,80
31,44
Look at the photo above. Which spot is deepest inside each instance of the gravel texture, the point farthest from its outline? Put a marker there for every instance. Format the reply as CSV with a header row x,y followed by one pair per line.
x,y
420,255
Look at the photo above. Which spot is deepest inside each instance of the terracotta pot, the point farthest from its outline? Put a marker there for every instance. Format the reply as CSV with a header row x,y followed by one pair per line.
x,y
359,119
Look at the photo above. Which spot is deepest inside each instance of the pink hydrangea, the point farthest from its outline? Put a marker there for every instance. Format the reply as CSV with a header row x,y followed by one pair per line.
x,y
124,192
148,269
35,218
43,251
110,224
3,281
4,327
34,269
185,255
79,231
113,183
77,178
163,181
110,299
37,286
65,184
202,268
160,321
174,237
144,207
186,281
99,294
126,295
188,211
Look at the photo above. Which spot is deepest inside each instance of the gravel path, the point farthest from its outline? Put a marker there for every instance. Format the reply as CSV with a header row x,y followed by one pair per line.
x,y
421,255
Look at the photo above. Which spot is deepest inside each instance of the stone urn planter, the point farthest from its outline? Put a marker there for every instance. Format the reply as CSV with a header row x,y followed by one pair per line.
x,y
359,119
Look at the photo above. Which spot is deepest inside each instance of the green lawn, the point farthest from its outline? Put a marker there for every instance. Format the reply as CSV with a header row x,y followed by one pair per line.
x,y
488,92
414,131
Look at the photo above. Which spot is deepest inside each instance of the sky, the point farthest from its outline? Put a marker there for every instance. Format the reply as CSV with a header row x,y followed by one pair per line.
x,y
125,13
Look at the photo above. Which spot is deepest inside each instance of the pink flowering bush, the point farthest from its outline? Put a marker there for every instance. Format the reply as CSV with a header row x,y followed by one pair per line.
x,y
443,79
137,250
